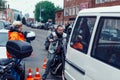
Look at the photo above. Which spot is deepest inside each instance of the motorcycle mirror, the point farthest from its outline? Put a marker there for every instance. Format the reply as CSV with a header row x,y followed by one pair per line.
x,y
30,36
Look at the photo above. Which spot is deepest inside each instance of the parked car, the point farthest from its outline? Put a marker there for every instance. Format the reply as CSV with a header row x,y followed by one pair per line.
x,y
110,34
5,24
48,25
29,24
41,26
3,41
36,25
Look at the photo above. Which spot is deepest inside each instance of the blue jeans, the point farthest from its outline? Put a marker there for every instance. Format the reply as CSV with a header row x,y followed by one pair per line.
x,y
48,65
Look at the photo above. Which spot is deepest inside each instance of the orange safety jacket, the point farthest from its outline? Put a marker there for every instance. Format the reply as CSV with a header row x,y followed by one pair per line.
x,y
14,35
77,46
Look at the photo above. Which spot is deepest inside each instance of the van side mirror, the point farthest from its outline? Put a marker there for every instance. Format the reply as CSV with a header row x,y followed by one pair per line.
x,y
30,36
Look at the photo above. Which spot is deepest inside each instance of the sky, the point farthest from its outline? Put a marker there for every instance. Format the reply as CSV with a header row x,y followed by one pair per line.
x,y
28,6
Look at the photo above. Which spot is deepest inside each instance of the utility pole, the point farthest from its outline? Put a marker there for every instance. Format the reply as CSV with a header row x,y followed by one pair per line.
x,y
40,14
41,10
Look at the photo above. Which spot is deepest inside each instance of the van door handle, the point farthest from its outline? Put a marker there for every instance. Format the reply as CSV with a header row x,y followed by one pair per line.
x,y
79,69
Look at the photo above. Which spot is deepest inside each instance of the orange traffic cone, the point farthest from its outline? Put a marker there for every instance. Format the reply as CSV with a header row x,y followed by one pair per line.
x,y
37,75
29,77
44,64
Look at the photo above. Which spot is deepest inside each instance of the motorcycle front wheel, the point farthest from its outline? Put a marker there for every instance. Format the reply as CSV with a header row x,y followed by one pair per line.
x,y
57,70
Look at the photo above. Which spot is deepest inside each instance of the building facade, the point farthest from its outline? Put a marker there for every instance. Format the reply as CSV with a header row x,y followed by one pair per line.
x,y
72,7
59,17
16,14
100,3
9,15
12,14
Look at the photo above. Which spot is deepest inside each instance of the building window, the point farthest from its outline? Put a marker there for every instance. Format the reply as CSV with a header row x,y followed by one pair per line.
x,y
70,11
73,10
59,15
77,9
107,0
114,0
96,1
68,0
66,12
103,1
100,1
84,5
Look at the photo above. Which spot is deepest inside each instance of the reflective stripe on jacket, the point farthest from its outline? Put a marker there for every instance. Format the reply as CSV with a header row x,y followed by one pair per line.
x,y
16,36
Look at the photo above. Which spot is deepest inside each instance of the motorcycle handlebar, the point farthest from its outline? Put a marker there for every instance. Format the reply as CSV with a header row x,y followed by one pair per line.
x,y
57,39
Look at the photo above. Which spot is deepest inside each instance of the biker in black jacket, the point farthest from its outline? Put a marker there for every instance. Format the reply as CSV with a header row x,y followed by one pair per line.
x,y
58,34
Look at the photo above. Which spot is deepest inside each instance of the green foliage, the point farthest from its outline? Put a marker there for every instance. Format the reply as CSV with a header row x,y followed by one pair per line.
x,y
2,4
57,8
47,11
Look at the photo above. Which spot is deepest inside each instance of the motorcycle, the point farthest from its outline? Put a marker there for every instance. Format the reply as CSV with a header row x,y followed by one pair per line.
x,y
9,70
14,68
5,69
57,47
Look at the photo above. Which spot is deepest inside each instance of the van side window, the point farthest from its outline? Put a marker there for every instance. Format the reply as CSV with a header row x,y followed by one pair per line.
x,y
107,42
82,33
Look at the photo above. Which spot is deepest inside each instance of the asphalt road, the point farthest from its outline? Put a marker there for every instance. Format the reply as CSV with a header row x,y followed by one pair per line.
x,y
39,53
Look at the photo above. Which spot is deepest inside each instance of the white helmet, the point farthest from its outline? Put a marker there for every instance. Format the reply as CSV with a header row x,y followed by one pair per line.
x,y
16,23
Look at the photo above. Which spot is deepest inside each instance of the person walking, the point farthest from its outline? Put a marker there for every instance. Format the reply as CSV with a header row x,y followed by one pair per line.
x,y
67,24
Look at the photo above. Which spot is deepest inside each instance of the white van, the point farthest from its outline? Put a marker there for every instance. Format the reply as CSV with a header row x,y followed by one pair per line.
x,y
93,51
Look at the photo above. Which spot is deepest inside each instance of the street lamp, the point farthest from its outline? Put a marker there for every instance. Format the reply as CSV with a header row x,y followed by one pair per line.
x,y
41,10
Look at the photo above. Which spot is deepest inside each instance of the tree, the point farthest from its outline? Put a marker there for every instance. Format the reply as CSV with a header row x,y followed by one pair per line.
x,y
47,11
24,21
2,4
18,18
57,8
